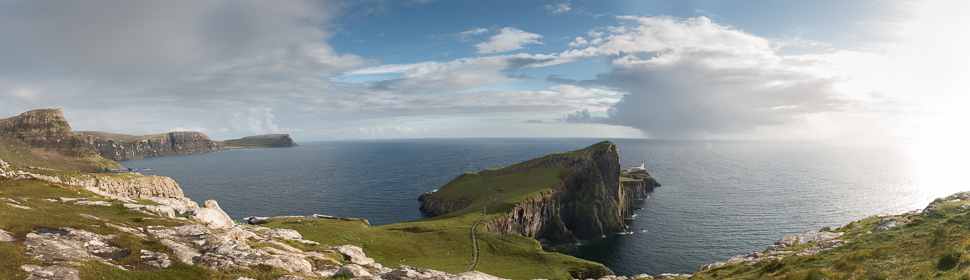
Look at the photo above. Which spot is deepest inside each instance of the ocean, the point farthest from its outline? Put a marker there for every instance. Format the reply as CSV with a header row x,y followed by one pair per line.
x,y
718,199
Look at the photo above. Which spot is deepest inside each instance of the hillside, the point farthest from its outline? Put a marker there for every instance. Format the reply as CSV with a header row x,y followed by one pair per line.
x,y
932,243
44,138
259,142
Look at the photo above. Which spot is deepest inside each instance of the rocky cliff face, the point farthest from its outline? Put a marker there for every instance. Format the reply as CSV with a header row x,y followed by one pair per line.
x,y
46,129
172,143
590,201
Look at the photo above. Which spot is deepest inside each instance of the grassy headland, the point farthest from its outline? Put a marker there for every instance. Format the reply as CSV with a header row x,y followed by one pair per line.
x,y
259,142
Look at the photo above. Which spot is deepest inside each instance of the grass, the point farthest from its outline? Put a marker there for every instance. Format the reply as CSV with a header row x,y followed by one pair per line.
x,y
927,247
440,244
20,154
124,137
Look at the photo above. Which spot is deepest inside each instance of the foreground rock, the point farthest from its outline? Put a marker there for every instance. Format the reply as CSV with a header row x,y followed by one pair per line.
x,y
213,216
53,272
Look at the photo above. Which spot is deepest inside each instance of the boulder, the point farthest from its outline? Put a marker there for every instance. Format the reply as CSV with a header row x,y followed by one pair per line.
x,y
93,202
55,245
151,261
889,223
213,216
6,236
53,272
711,266
352,270
818,248
356,254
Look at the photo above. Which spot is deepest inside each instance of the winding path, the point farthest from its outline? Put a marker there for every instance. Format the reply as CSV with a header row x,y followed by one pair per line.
x,y
474,238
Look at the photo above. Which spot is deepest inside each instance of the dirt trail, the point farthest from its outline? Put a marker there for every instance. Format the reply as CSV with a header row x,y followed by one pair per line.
x,y
487,211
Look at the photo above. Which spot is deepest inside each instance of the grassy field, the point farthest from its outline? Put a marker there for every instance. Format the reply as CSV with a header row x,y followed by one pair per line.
x,y
441,244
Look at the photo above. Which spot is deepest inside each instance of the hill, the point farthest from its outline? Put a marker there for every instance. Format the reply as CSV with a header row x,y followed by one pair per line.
x,y
259,142
44,138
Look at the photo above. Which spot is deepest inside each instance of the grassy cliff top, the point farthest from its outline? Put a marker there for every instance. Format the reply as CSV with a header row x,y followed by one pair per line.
x,y
124,137
260,141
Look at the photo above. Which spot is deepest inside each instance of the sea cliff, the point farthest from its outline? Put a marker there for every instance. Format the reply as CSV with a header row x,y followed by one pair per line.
x,y
118,147
43,137
580,196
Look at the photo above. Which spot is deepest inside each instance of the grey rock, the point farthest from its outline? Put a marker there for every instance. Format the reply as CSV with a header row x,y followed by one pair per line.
x,y
151,261
290,277
67,244
53,272
711,266
352,270
6,236
818,248
213,216
94,203
814,235
356,254
670,276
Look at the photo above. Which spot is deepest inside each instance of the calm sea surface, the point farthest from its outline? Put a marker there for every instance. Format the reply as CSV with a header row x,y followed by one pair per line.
x,y
719,198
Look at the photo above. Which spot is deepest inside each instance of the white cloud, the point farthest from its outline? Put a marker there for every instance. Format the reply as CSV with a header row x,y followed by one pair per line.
x,y
559,8
388,68
468,73
473,31
693,77
509,39
253,121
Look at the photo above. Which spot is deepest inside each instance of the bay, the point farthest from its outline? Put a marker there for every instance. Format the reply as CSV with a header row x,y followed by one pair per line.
x,y
719,198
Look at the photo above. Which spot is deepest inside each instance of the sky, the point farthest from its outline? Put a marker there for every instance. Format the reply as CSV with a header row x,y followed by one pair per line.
x,y
380,69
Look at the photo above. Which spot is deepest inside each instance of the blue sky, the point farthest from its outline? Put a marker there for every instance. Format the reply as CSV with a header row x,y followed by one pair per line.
x,y
323,70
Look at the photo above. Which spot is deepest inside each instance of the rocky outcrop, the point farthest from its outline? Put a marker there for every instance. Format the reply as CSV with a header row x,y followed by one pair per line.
x,y
535,218
639,182
213,216
127,185
172,143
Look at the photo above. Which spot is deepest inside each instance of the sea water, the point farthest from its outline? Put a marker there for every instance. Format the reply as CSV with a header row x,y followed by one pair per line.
x,y
719,198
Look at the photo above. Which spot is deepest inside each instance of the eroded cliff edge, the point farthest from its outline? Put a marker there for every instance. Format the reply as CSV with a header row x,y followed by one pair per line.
x,y
43,137
569,195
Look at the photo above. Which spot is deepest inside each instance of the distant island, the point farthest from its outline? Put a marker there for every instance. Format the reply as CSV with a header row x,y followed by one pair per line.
x,y
259,142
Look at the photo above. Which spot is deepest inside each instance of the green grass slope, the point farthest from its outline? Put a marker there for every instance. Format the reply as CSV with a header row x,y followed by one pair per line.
x,y
930,247
18,153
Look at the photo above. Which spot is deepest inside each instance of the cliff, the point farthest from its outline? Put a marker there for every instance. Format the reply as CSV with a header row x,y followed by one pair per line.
x,y
558,197
44,138
259,142
640,182
122,147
